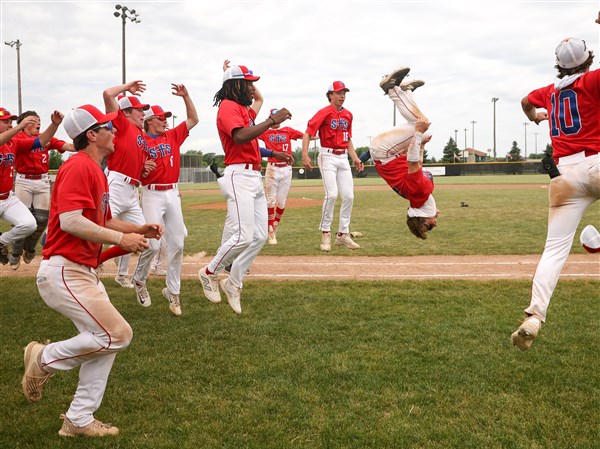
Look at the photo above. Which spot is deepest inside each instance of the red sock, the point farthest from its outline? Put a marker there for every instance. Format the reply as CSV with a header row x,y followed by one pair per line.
x,y
271,218
111,253
278,214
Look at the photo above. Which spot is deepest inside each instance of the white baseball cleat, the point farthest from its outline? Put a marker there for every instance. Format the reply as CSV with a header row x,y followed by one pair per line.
x,y
174,304
210,285
14,261
523,337
346,240
124,281
35,376
94,429
233,295
326,241
412,85
141,292
393,79
272,235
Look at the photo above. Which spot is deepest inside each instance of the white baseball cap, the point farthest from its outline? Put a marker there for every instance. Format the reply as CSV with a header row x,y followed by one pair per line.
x,y
590,239
156,111
82,118
132,102
239,72
571,52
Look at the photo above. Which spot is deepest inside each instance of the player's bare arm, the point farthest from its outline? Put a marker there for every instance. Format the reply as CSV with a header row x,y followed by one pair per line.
x,y
12,132
136,87
179,90
532,113
149,230
245,135
281,156
306,138
352,152
55,120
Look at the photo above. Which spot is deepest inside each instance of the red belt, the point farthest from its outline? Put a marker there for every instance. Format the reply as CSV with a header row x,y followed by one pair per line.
x,y
4,196
279,164
26,176
255,167
161,186
336,152
590,153
132,181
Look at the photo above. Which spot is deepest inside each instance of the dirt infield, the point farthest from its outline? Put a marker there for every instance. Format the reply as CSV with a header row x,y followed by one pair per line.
x,y
578,266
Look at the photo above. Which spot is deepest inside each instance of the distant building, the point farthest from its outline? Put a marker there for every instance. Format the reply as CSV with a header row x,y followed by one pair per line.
x,y
471,155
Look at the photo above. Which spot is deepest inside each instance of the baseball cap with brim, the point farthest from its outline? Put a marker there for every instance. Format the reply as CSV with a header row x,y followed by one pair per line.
x,y
336,86
80,119
590,239
132,102
156,111
239,72
5,115
571,53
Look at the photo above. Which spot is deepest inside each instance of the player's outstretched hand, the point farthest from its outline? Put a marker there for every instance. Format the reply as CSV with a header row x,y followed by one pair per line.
x,y
57,117
540,117
307,163
359,165
179,90
281,156
426,139
136,87
152,231
133,243
29,120
281,116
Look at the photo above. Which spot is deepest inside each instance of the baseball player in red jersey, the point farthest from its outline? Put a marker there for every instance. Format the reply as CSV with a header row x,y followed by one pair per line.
x,y
245,230
333,124
278,175
32,183
161,200
80,222
11,208
126,163
571,104
398,155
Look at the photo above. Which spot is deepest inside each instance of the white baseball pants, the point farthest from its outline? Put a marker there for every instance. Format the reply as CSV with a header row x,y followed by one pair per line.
x,y
124,205
337,178
278,181
163,206
18,215
245,230
76,292
570,195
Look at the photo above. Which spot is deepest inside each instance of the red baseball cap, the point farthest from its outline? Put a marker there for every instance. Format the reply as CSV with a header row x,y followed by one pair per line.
x,y
156,111
132,102
5,115
80,119
336,86
239,72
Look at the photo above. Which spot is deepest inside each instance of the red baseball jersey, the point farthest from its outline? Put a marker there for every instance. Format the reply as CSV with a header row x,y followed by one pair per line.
x,y
36,160
232,116
7,161
334,127
130,148
165,151
415,187
80,184
280,140
573,114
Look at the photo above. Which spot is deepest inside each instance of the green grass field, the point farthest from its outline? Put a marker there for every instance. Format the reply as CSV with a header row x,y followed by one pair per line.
x,y
332,364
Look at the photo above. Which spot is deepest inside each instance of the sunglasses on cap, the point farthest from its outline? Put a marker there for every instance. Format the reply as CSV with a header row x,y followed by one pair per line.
x,y
107,125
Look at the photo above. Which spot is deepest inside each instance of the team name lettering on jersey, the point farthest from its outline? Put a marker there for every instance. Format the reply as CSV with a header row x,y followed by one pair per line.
x,y
7,159
105,197
161,150
142,143
340,124
278,138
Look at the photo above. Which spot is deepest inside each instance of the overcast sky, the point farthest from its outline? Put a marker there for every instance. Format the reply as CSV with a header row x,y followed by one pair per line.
x,y
466,51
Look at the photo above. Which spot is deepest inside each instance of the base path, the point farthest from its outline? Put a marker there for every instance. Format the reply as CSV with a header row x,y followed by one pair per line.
x,y
578,266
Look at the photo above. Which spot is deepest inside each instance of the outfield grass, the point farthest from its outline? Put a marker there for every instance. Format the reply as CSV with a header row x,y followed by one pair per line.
x,y
325,365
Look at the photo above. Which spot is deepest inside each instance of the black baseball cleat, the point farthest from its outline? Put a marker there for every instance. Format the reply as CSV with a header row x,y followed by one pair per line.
x,y
393,79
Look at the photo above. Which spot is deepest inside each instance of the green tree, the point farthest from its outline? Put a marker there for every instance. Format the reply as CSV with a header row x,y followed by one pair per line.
x,y
55,160
450,152
515,152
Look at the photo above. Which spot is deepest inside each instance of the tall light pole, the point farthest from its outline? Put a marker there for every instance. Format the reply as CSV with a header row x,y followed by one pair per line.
x,y
494,100
125,13
17,44
174,117
535,134
456,137
525,127
465,152
473,134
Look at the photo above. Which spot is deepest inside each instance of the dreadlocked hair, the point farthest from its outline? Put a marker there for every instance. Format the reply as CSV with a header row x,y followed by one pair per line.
x,y
234,90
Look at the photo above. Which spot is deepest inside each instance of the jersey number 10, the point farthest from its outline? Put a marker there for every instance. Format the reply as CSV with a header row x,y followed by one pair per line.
x,y
565,104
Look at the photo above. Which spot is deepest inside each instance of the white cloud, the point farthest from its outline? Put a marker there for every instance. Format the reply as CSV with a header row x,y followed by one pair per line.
x,y
467,52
